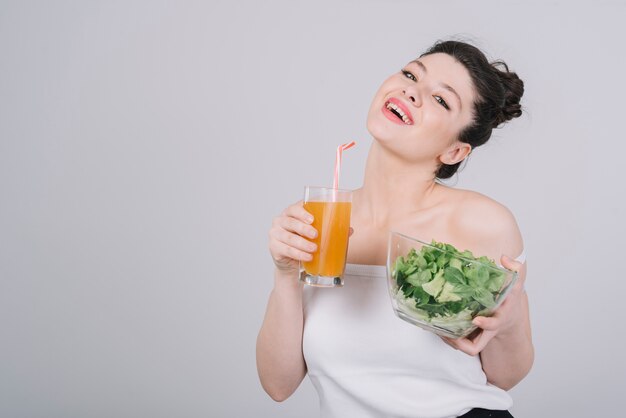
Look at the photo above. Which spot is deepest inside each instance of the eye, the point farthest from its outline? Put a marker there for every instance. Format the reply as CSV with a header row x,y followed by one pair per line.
x,y
442,102
409,75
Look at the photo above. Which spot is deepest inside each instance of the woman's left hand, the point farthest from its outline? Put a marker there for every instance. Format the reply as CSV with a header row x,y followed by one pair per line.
x,y
504,319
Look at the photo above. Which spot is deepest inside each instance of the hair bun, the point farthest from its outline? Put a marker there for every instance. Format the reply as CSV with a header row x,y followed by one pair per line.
x,y
498,94
513,91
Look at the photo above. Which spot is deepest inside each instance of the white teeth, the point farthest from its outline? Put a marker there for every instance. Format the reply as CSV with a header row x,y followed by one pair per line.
x,y
404,117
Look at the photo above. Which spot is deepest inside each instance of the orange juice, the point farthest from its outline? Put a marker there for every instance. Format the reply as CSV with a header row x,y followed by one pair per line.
x,y
332,221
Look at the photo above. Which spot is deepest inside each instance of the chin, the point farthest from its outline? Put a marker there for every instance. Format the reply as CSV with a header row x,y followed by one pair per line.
x,y
379,130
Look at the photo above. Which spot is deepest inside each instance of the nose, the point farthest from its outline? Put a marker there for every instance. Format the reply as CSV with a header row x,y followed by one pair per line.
x,y
413,95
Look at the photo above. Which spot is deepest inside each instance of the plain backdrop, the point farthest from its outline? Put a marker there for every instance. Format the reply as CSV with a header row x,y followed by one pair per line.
x,y
145,147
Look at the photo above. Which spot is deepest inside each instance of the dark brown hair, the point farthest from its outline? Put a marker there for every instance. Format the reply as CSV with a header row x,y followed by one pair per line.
x,y
498,93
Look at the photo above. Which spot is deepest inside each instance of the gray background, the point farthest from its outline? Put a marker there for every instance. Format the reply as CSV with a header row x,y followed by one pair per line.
x,y
146,145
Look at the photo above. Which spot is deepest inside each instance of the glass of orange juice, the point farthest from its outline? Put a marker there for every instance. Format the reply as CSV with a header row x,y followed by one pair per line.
x,y
331,218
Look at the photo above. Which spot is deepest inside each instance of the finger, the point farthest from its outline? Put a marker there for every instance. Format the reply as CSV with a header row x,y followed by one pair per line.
x,y
475,346
449,341
281,250
510,264
297,211
514,265
481,341
519,268
293,240
491,323
299,203
465,345
296,226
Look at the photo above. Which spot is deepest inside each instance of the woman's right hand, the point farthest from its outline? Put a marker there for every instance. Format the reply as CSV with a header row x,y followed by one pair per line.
x,y
288,241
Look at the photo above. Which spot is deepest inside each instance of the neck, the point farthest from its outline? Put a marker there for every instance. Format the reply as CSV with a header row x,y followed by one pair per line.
x,y
394,188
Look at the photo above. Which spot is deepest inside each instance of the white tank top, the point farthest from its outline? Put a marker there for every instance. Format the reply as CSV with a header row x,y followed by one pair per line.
x,y
366,362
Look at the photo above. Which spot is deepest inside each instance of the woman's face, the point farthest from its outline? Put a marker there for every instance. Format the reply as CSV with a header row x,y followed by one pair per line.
x,y
419,112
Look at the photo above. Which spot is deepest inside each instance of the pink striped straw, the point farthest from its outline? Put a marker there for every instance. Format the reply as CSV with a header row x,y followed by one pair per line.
x,y
340,149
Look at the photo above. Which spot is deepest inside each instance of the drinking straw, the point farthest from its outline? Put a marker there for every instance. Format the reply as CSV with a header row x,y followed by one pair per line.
x,y
340,149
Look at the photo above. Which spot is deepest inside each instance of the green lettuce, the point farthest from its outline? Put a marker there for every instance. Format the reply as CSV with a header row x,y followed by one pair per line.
x,y
442,284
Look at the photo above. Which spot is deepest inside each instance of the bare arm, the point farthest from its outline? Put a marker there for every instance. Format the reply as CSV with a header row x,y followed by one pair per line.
x,y
505,341
280,362
509,356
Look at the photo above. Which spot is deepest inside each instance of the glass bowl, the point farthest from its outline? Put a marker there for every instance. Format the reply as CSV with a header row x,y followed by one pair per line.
x,y
441,289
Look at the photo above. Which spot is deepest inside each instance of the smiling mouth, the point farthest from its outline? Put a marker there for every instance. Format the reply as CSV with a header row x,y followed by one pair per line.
x,y
396,110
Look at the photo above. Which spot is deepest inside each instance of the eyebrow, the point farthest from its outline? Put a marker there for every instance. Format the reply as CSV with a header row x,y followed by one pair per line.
x,y
444,85
421,65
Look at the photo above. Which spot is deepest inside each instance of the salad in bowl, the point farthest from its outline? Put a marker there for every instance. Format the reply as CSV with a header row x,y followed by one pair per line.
x,y
441,289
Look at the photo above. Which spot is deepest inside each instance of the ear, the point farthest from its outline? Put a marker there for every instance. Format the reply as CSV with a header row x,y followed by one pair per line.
x,y
456,153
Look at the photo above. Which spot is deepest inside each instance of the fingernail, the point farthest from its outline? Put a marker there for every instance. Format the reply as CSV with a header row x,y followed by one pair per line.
x,y
309,219
313,233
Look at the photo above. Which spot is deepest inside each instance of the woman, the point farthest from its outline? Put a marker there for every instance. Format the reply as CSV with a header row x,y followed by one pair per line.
x,y
364,362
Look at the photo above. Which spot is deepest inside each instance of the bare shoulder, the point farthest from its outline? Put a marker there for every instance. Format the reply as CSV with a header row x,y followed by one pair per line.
x,y
486,222
480,211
